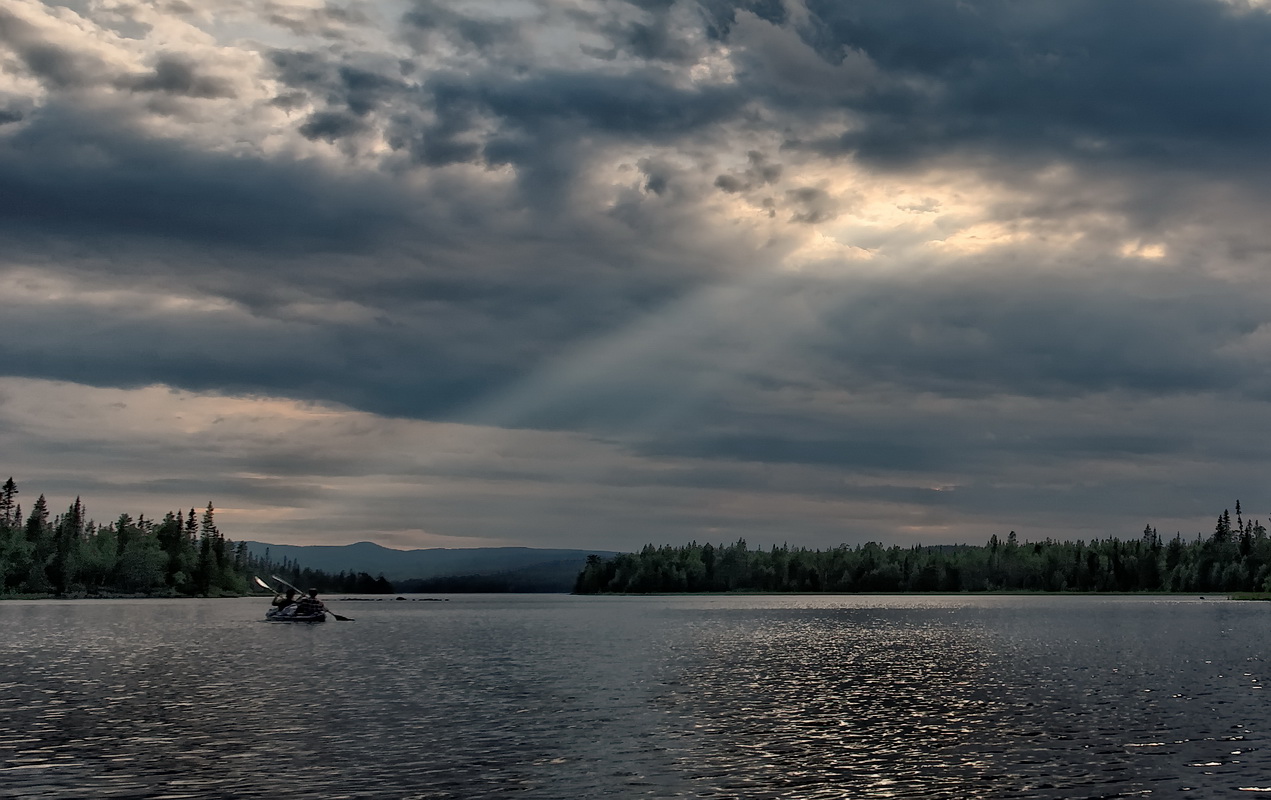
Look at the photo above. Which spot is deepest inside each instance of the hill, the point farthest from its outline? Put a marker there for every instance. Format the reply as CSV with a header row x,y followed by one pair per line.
x,y
523,567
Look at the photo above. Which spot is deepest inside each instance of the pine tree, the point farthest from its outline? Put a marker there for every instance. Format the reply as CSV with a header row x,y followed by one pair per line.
x,y
1222,529
8,493
124,530
207,575
40,540
67,536
37,524
172,543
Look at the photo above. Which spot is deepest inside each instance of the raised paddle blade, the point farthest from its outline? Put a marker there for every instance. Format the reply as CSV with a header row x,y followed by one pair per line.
x,y
265,585
284,583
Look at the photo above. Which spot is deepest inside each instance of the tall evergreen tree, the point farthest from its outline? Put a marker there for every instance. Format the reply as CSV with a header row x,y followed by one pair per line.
x,y
68,534
37,524
8,500
124,531
172,543
1222,529
40,539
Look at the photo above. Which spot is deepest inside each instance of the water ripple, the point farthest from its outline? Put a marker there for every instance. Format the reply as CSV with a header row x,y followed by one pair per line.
x,y
551,697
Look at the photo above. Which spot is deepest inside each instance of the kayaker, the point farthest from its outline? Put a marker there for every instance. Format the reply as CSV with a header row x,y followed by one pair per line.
x,y
310,604
283,602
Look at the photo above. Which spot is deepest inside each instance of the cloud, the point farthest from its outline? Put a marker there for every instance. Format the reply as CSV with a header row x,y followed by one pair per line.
x,y
50,61
1138,82
173,75
806,270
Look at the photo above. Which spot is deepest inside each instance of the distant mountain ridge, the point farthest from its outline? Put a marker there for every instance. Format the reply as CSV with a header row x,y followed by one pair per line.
x,y
436,562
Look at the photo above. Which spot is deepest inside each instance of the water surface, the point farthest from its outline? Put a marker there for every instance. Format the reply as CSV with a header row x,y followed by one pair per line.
x,y
699,697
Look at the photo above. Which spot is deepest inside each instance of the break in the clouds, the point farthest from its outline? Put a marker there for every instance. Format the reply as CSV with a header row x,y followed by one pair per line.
x,y
596,274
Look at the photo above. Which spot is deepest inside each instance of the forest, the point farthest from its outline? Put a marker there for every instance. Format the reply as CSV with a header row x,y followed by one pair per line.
x,y
1236,557
182,554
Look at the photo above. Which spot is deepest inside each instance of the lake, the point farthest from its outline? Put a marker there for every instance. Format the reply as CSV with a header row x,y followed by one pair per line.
x,y
560,697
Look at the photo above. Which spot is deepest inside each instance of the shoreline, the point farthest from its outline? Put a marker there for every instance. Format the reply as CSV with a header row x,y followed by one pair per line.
x,y
1256,596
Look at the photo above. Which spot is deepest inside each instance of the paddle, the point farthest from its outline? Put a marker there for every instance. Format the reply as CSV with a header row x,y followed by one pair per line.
x,y
302,594
277,592
264,585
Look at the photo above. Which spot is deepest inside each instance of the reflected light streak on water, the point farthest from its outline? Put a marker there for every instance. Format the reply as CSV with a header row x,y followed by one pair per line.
x,y
699,697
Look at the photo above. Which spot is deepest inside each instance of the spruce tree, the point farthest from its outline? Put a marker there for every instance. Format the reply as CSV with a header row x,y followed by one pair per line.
x,y
8,495
39,538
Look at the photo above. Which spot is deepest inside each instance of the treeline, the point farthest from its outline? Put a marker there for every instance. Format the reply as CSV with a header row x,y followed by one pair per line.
x,y
325,582
1236,557
182,554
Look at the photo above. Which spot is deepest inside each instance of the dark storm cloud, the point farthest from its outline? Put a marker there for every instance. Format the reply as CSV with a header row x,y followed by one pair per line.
x,y
995,74
331,125
364,89
54,65
1046,335
429,16
758,173
643,105
542,117
388,372
342,87
176,76
134,187
812,205
875,442
522,228
720,15
658,37
545,124
1147,80
1025,341
149,190
1047,339
1135,85
304,70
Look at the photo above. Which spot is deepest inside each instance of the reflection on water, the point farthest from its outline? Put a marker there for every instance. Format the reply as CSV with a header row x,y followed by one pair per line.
x,y
715,697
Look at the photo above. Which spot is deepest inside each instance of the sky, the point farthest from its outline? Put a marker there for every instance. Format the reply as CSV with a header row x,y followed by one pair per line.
x,y
597,274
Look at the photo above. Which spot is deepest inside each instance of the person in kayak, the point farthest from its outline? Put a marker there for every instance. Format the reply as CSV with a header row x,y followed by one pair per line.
x,y
281,602
310,604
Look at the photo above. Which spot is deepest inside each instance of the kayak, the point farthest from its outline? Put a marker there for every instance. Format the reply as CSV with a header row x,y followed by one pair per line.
x,y
289,614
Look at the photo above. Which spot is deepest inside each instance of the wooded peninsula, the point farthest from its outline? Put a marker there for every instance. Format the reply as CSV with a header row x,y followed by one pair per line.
x,y
1235,558
181,555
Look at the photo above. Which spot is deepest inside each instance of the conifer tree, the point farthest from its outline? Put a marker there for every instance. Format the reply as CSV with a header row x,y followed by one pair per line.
x,y
37,524
1222,529
39,538
124,531
171,542
67,536
8,495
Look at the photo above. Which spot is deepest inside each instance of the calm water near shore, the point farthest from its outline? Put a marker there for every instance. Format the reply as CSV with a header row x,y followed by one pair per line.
x,y
558,697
